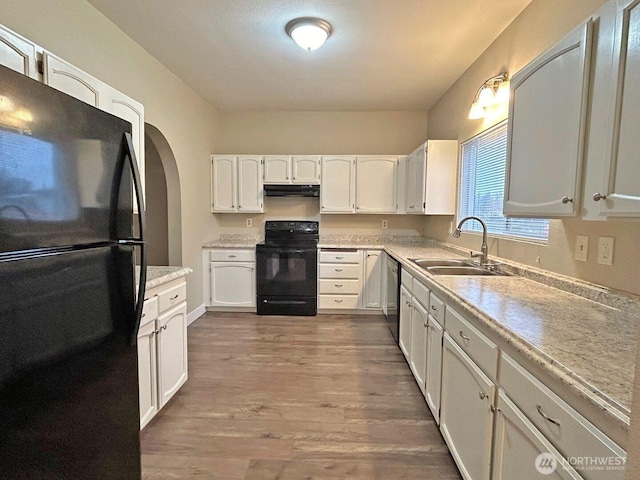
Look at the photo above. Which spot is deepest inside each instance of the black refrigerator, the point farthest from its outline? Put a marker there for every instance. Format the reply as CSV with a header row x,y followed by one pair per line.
x,y
69,303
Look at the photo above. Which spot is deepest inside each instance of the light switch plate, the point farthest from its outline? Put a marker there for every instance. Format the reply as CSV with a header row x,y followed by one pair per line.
x,y
605,250
582,248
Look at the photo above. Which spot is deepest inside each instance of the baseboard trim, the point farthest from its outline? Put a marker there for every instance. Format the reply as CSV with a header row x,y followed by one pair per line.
x,y
195,314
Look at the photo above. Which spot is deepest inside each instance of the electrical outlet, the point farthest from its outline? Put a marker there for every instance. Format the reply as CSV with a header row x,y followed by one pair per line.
x,y
385,223
582,248
249,222
605,250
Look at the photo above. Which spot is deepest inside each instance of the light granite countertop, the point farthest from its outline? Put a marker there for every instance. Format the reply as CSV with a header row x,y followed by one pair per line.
x,y
158,275
582,335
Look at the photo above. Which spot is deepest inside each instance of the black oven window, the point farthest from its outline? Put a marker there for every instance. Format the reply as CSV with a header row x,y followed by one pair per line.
x,y
283,268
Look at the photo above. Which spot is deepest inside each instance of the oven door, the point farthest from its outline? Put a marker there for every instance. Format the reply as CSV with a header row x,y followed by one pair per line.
x,y
286,271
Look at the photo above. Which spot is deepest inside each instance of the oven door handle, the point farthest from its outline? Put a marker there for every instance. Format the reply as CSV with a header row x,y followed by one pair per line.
x,y
287,250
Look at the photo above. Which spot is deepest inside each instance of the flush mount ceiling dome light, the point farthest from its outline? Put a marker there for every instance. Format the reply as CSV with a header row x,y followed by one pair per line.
x,y
308,32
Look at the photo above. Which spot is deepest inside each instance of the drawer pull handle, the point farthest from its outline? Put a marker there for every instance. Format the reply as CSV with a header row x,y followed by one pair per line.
x,y
339,258
338,301
547,417
464,336
339,285
482,395
174,297
433,307
338,269
232,256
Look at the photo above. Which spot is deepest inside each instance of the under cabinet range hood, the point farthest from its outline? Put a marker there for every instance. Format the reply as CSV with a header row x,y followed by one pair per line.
x,y
273,190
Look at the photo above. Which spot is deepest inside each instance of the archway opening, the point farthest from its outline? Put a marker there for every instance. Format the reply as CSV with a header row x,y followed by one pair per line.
x,y
163,205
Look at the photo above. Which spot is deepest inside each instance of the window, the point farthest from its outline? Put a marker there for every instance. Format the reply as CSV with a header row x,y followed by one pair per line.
x,y
483,162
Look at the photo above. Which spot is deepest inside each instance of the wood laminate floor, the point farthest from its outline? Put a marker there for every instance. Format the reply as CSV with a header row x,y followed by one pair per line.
x,y
295,398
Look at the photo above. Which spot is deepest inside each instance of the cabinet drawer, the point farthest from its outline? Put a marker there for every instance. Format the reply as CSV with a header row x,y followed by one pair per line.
x,y
172,297
339,286
227,255
339,271
421,293
149,311
436,308
481,350
571,433
338,301
406,279
334,256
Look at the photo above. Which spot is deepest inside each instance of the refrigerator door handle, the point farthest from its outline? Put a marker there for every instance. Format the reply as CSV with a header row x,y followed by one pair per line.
x,y
130,155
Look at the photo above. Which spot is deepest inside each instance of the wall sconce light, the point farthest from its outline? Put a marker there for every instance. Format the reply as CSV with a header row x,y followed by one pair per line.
x,y
493,91
308,32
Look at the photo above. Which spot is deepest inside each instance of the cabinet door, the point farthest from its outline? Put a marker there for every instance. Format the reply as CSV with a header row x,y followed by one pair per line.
x,y
18,53
128,109
172,352
233,284
373,275
439,181
223,184
65,77
376,184
419,322
547,115
433,370
517,446
306,169
410,184
250,184
405,323
419,179
277,169
621,175
337,194
147,373
466,418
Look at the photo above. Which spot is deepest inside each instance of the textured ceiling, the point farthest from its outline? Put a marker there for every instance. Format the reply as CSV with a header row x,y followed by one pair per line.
x,y
382,55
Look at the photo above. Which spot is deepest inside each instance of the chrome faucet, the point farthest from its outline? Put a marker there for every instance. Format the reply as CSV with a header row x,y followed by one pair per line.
x,y
484,249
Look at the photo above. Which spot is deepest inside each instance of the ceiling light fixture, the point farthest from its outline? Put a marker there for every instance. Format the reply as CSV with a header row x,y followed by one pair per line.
x,y
308,32
493,91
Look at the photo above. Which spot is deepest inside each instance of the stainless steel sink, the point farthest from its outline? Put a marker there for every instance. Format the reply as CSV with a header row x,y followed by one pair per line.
x,y
456,266
466,270
440,262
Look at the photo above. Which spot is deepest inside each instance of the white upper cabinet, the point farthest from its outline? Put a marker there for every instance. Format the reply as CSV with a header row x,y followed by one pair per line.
x,y
619,190
376,179
236,184
63,76
283,169
430,186
277,169
18,54
337,194
305,169
547,116
223,184
250,184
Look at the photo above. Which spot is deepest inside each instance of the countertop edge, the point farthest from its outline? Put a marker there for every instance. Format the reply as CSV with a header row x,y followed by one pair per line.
x,y
160,277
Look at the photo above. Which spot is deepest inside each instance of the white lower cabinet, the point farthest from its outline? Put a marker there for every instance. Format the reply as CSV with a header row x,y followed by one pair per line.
x,y
172,352
433,370
418,358
518,445
162,348
466,417
404,336
232,278
373,275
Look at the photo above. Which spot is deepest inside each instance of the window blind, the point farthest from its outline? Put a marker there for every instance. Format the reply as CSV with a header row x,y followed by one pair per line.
x,y
483,164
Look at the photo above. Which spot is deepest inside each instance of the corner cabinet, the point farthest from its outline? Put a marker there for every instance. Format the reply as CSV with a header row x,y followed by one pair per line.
x,y
236,184
431,178
376,180
337,194
546,136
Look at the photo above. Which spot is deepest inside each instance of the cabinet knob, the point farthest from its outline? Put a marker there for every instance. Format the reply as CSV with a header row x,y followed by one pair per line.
x,y
598,196
482,395
566,199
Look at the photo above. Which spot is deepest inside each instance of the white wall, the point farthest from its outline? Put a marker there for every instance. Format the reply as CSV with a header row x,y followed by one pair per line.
x,y
80,34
